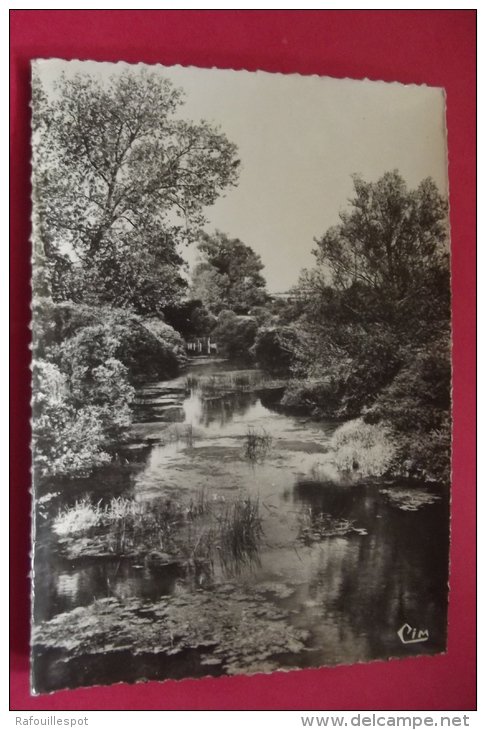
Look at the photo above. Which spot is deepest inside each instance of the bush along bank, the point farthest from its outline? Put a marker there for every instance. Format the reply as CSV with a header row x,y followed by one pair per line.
x,y
86,362
371,330
402,429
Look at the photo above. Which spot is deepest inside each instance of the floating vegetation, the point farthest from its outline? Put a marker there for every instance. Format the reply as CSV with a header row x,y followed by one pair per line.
x,y
409,500
238,631
280,590
47,498
44,503
257,445
319,526
198,505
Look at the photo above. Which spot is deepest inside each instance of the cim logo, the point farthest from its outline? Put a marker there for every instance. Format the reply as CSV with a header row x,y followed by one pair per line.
x,y
408,635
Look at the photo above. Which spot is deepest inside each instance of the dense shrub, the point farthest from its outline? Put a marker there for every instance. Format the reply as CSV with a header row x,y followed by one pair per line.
x,y
359,381
410,401
66,440
190,318
149,349
104,386
419,397
86,360
273,349
417,405
169,336
317,397
426,455
146,356
235,335
55,322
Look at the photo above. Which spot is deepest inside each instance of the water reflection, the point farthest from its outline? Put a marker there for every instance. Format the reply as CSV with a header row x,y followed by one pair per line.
x,y
396,574
219,409
351,564
71,584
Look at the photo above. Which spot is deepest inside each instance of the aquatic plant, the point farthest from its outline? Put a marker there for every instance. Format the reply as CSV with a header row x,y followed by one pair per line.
x,y
362,447
409,500
240,533
231,629
198,505
192,382
315,527
257,445
191,533
122,526
242,380
80,518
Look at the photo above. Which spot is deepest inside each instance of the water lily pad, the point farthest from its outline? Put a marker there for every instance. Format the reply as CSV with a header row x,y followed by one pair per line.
x,y
279,589
410,500
239,631
319,526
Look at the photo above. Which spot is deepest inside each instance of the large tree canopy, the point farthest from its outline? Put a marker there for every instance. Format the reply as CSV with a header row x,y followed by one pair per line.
x,y
386,264
120,180
388,257
380,292
228,276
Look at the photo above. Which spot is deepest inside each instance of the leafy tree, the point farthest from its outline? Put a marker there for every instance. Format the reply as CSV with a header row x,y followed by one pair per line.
x,y
235,335
228,277
274,349
190,318
389,254
382,274
374,328
120,181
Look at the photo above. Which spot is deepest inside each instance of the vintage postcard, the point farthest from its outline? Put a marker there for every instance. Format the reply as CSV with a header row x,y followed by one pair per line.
x,y
241,373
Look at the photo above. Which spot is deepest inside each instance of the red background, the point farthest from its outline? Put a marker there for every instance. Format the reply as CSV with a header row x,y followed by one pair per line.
x,y
437,48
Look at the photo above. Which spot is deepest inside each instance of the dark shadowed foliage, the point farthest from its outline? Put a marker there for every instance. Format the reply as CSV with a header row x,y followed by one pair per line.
x,y
235,335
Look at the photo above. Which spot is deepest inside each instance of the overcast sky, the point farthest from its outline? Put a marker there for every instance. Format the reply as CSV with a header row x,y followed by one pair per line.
x,y
300,139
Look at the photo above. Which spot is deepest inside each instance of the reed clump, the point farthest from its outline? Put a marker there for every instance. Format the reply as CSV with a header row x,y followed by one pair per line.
x,y
122,526
257,445
192,533
240,534
220,384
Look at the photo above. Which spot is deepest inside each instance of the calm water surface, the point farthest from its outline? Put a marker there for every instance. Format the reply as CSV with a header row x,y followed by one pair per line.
x,y
351,592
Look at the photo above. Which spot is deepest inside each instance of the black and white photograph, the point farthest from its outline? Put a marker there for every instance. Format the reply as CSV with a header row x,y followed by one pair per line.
x,y
241,373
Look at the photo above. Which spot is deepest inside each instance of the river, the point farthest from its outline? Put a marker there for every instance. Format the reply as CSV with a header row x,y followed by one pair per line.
x,y
341,566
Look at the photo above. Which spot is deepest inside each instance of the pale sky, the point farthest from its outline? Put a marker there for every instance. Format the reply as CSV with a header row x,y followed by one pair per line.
x,y
300,138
